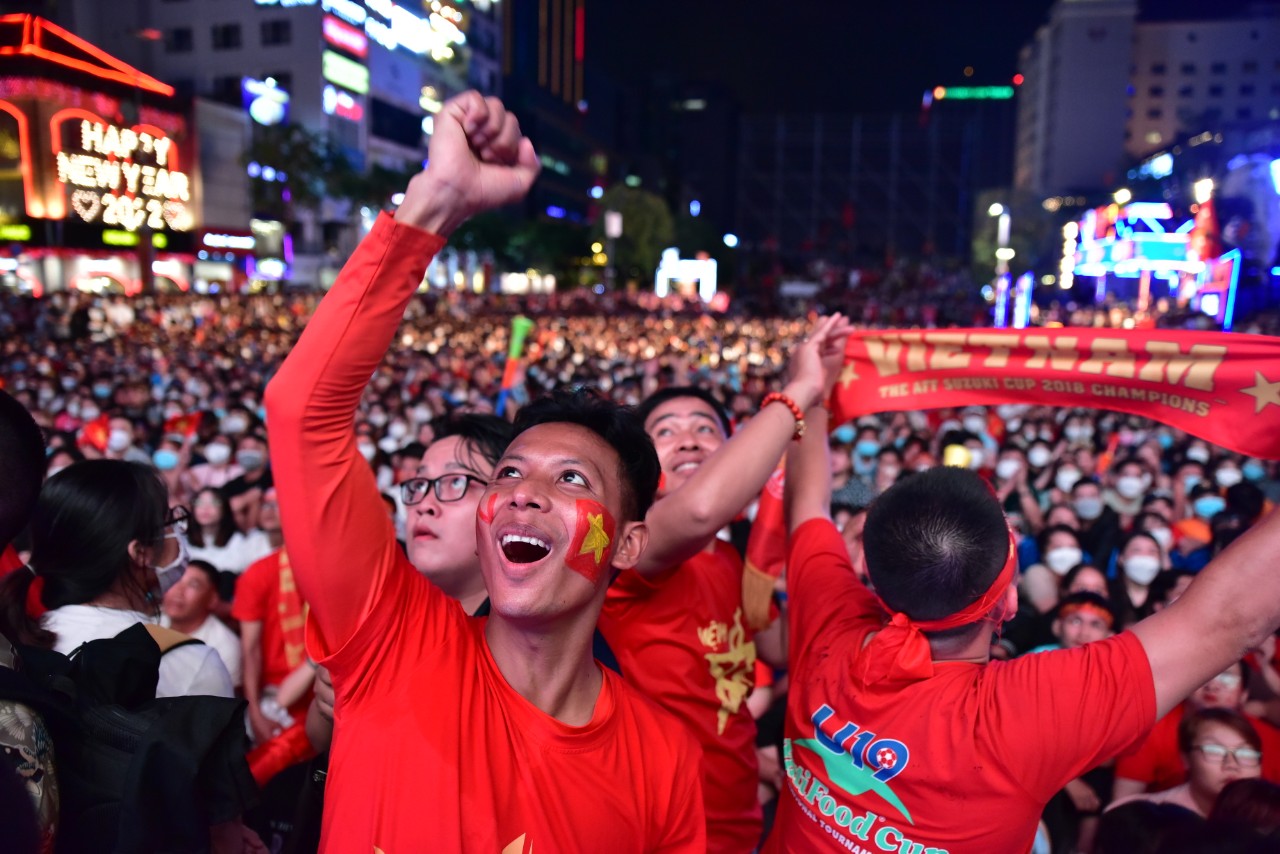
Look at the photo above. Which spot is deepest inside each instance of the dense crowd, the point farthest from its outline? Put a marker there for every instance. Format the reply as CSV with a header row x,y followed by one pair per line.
x,y
1112,518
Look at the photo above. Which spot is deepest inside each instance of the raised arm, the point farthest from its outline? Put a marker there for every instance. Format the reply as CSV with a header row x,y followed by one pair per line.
x,y
808,485
1232,606
682,523
341,542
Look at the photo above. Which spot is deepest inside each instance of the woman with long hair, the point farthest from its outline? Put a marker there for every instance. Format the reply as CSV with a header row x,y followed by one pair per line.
x,y
103,538
214,537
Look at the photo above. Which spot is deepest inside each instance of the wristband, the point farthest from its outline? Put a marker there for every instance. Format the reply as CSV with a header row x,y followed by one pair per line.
x,y
790,404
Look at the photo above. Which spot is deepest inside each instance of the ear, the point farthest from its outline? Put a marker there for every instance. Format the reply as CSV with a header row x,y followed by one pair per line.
x,y
629,544
1010,603
138,553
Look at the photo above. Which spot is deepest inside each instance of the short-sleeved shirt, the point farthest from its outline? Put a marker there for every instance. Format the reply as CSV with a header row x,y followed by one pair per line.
x,y
266,593
1157,761
964,760
681,640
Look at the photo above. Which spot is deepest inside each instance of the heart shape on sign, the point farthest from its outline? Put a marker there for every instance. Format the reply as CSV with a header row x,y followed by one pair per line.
x,y
87,204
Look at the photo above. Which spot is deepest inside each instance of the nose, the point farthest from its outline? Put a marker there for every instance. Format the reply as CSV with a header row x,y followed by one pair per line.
x,y
529,494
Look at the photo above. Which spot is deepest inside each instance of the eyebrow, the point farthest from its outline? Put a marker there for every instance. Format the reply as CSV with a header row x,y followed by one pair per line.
x,y
559,461
451,467
662,418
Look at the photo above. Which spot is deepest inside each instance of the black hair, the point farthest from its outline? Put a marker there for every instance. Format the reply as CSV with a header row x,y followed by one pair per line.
x,y
653,401
1085,481
1164,582
210,571
1246,499
1144,827
1139,535
413,451
22,466
486,435
935,542
1191,722
619,426
81,528
226,523
1075,571
1042,539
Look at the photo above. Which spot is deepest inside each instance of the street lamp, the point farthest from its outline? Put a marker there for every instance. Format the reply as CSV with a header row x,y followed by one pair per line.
x,y
1202,190
1122,196
1003,256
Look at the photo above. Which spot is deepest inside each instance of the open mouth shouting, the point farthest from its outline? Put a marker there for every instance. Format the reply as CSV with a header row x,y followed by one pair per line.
x,y
524,548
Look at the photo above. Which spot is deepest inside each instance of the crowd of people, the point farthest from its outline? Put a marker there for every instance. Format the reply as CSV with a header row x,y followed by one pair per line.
x,y
408,570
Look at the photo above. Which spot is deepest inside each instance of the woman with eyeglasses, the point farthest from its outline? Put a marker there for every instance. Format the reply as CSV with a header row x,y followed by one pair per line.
x,y
1218,746
105,547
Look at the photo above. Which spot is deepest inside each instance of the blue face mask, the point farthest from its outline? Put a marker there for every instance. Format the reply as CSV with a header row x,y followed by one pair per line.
x,y
867,448
1208,506
844,434
101,391
1166,441
1253,471
165,459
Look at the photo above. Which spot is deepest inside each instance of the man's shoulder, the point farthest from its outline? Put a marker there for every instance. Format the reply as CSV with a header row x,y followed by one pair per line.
x,y
267,565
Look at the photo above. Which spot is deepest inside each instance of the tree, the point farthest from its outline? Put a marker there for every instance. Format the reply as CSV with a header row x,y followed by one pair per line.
x,y
647,229
314,166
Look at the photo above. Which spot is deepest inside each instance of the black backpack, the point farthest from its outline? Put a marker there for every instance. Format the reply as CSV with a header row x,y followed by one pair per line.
x,y
135,773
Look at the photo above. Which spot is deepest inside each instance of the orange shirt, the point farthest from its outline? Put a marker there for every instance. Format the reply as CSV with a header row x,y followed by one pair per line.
x,y
964,760
681,640
1157,761
266,593
433,750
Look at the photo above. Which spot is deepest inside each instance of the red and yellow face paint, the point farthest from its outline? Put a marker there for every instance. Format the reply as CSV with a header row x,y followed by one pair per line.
x,y
488,507
591,550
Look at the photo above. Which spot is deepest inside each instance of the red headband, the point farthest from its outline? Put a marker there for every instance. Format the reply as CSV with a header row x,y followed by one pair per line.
x,y
901,651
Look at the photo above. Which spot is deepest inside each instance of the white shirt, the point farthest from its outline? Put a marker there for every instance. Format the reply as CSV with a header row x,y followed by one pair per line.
x,y
239,552
215,633
184,671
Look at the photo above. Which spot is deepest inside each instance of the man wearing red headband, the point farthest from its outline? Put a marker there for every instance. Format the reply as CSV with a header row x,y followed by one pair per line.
x,y
901,734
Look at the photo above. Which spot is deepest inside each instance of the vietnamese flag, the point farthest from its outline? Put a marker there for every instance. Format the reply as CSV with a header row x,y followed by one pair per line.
x,y
94,434
184,425
1221,387
766,553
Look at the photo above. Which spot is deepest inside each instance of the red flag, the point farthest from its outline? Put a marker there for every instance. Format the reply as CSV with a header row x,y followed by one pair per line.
x,y
185,425
94,434
766,553
1222,387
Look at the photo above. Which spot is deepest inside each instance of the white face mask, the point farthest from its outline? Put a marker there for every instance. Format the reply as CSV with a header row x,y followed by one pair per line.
x,y
397,430
1228,477
217,453
1130,487
1065,479
118,440
975,424
171,574
1062,559
975,458
388,445
1199,453
367,450
1006,469
1089,508
1141,569
1039,456
1163,536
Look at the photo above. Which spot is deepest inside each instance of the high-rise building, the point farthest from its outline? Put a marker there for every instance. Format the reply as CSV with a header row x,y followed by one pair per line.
x,y
1072,102
1105,87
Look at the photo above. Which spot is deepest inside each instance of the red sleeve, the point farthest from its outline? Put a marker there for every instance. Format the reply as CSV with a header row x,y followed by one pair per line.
x,y
250,602
341,543
9,560
1057,714
1140,763
824,595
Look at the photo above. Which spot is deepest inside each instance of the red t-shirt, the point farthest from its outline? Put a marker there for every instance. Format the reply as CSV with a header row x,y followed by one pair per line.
x,y
964,760
681,640
267,593
1158,762
433,750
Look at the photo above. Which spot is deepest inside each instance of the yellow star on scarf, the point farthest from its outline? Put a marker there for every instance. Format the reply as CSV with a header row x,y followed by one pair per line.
x,y
596,540
1263,392
848,375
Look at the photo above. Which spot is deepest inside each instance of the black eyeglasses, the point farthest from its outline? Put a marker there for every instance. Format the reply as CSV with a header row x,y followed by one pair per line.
x,y
448,487
1244,756
177,518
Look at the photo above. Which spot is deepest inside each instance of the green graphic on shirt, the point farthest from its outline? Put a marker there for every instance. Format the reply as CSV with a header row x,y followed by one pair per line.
x,y
851,778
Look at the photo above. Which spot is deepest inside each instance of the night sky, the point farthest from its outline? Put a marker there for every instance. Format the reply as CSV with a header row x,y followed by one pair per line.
x,y
828,55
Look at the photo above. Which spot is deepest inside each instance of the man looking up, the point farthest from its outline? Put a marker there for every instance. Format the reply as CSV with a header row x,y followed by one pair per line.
x,y
900,730
676,621
498,725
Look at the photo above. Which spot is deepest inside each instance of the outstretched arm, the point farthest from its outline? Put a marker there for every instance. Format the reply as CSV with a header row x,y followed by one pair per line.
x,y
682,523
332,516
1232,606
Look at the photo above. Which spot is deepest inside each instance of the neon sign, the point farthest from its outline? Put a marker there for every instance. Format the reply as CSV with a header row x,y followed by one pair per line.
x,y
267,103
345,37
343,104
124,177
348,73
973,93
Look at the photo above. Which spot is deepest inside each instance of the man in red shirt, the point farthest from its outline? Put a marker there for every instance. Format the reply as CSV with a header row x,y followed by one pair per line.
x,y
453,733
676,621
901,734
1156,764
